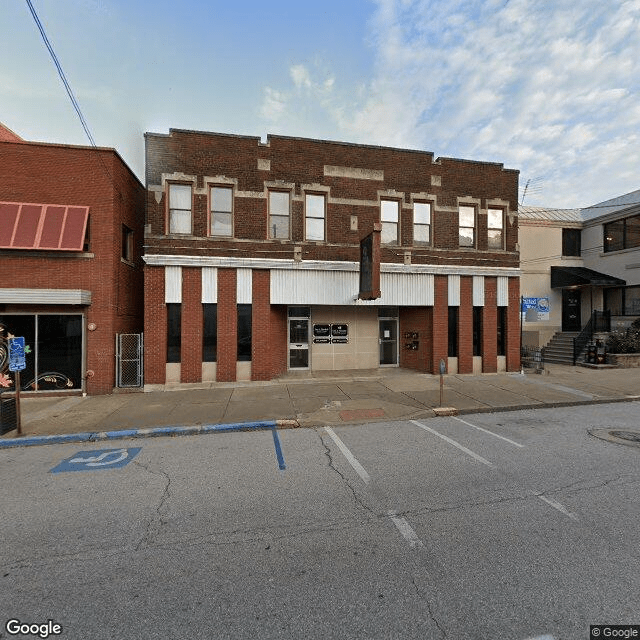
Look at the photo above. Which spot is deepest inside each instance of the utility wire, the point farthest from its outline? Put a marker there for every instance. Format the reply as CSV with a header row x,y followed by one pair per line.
x,y
67,86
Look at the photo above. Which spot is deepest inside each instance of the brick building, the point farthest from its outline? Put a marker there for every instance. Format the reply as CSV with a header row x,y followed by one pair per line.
x,y
71,231
252,259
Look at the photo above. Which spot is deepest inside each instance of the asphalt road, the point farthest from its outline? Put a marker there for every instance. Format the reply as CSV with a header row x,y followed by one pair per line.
x,y
511,526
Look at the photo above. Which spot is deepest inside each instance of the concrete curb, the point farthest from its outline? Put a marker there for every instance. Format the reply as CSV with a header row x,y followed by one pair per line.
x,y
155,432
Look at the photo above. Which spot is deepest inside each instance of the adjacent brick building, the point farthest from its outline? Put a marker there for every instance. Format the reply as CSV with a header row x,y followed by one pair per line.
x,y
71,231
253,251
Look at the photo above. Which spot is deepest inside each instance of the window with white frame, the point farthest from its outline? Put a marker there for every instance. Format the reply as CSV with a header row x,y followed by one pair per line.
x,y
221,211
314,216
467,226
495,223
279,214
389,217
421,223
179,208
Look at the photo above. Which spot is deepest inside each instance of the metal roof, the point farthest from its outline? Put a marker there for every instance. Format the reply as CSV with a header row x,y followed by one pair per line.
x,y
611,206
545,213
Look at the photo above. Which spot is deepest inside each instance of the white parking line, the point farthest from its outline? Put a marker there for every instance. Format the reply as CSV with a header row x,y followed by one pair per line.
x,y
358,468
475,456
558,506
405,529
491,433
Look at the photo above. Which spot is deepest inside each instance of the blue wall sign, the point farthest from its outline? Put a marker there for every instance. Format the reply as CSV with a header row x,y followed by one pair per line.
x,y
95,460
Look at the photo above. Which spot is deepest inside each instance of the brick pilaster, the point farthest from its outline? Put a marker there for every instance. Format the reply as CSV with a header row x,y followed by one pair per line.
x,y
490,326
465,326
227,326
513,325
155,326
440,324
191,342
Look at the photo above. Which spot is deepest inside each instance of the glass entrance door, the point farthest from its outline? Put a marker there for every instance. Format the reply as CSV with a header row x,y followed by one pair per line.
x,y
388,341
298,343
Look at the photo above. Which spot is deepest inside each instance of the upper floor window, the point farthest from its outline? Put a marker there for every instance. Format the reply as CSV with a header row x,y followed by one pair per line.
x,y
279,214
314,216
180,208
571,242
421,223
622,234
389,218
495,224
467,226
221,211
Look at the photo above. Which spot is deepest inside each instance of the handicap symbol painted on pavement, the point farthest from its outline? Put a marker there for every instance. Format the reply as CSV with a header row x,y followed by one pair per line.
x,y
101,459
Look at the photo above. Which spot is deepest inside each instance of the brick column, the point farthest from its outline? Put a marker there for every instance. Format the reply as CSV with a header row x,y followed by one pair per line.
x,y
280,340
440,323
513,325
261,339
227,326
490,326
465,326
155,326
191,338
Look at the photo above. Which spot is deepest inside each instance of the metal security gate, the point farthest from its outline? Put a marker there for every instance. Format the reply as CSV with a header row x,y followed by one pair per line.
x,y
129,350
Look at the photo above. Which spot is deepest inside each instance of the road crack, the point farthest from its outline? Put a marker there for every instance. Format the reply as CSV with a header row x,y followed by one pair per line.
x,y
156,522
426,600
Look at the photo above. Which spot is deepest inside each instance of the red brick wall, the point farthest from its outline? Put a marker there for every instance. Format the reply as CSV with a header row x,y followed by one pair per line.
x,y
280,339
490,326
465,326
191,320
440,322
155,326
302,161
261,344
227,326
59,174
415,320
513,326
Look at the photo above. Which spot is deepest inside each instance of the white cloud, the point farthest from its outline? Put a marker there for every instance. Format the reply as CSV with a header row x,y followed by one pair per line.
x,y
547,88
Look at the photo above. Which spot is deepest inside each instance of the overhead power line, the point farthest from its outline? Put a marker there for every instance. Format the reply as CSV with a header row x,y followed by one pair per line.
x,y
67,86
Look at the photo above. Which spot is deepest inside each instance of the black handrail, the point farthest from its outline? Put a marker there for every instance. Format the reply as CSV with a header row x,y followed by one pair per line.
x,y
599,321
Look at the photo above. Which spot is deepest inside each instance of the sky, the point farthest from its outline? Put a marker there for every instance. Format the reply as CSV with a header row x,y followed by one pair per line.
x,y
550,88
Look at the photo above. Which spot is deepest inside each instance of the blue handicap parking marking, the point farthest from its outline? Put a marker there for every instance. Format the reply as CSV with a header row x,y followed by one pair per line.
x,y
94,460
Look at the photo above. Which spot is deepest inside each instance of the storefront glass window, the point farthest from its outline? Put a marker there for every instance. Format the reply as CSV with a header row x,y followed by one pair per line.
x,y
244,332
632,301
210,332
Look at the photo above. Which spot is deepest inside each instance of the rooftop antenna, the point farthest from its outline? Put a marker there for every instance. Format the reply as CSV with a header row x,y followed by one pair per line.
x,y
532,186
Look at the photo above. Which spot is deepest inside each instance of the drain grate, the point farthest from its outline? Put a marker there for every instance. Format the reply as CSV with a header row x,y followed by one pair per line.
x,y
631,436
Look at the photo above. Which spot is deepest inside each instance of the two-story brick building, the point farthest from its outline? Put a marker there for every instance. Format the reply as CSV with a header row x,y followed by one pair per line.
x,y
71,230
253,254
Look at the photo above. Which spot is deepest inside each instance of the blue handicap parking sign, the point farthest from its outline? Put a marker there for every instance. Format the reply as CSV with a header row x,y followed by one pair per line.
x,y
95,460
16,354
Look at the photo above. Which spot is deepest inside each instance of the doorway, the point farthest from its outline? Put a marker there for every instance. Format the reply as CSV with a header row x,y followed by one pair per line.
x,y
571,310
388,338
298,338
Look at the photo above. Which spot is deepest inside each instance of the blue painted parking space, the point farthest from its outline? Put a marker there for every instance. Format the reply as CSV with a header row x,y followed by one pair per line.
x,y
96,460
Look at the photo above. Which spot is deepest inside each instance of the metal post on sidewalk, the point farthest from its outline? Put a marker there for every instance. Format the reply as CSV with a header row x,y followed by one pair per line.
x,y
18,421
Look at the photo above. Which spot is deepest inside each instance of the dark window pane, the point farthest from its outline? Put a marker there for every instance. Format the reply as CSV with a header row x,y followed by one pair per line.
x,y
59,352
632,301
571,242
614,236
502,331
244,332
453,332
173,332
477,331
613,301
210,332
632,236
25,327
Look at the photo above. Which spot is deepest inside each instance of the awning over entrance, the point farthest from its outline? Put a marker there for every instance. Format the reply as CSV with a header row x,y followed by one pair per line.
x,y
562,277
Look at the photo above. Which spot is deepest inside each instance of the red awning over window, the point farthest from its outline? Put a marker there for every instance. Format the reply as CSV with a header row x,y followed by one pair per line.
x,y
52,227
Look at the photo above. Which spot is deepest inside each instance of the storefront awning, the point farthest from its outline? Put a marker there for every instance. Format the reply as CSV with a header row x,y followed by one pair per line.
x,y
562,277
50,227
